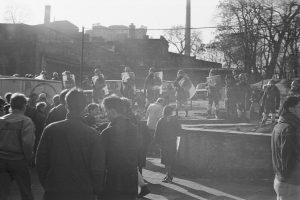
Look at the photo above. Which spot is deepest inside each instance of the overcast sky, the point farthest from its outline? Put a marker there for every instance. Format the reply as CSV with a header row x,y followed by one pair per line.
x,y
150,13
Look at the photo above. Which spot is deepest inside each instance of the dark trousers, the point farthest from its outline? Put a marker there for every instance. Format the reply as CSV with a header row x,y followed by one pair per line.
x,y
17,170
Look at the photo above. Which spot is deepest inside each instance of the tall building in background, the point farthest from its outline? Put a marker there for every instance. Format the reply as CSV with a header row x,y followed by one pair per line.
x,y
187,51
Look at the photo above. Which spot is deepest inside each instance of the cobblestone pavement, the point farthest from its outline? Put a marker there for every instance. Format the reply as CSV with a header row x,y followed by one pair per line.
x,y
185,187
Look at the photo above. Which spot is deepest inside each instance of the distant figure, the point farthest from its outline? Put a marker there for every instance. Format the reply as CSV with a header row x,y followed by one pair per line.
x,y
182,84
128,84
295,88
149,87
270,101
214,94
70,158
167,130
121,150
68,80
99,84
59,112
30,110
244,95
42,75
55,76
285,147
231,98
16,144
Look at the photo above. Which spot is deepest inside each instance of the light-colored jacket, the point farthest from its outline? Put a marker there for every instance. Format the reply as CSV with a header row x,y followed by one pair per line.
x,y
16,137
154,113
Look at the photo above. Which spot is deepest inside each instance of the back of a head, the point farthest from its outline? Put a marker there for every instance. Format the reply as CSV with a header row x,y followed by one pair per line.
x,y
62,96
91,107
18,101
168,111
7,96
55,99
127,104
114,102
75,100
289,102
160,100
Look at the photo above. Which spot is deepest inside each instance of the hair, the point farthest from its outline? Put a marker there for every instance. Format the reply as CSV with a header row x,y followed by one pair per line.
x,y
91,107
168,110
2,102
126,105
55,99
289,102
114,102
160,100
18,101
75,100
62,96
7,96
40,105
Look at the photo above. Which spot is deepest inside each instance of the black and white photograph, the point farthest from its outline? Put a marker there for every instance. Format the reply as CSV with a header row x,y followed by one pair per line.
x,y
150,100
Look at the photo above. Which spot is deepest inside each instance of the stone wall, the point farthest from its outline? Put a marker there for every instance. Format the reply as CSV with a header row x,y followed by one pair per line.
x,y
227,154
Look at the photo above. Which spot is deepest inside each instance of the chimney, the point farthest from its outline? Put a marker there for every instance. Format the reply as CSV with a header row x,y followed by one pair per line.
x,y
47,14
187,50
131,31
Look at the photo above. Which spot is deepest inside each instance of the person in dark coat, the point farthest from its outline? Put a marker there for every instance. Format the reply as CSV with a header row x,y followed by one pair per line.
x,y
40,121
285,147
59,112
128,85
270,101
30,110
181,85
98,83
231,98
149,87
121,150
244,95
166,133
70,158
295,88
7,97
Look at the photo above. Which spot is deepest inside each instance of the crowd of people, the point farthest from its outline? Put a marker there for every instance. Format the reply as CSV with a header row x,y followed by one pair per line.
x,y
95,150
80,150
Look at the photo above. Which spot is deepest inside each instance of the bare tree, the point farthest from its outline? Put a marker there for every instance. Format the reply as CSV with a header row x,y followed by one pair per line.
x,y
16,13
175,37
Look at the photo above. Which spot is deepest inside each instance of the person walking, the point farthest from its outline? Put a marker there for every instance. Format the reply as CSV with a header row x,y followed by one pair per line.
x,y
70,157
166,133
270,101
149,87
121,150
16,147
285,147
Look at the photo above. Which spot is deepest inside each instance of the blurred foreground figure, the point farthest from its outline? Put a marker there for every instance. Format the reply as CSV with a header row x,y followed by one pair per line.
x,y
121,151
285,151
16,147
70,156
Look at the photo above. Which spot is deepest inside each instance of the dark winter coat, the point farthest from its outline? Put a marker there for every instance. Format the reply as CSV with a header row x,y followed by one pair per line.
x,y
121,150
285,149
271,97
182,94
56,114
166,133
244,94
70,161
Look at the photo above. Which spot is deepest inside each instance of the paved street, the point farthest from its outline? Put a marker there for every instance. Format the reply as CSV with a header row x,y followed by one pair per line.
x,y
187,187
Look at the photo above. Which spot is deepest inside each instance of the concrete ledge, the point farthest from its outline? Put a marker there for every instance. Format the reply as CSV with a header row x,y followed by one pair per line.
x,y
223,153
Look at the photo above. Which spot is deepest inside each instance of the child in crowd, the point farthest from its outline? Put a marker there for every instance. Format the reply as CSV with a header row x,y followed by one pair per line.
x,y
166,133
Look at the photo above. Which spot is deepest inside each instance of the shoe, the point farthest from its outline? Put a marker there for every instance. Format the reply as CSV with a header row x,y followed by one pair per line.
x,y
167,179
144,191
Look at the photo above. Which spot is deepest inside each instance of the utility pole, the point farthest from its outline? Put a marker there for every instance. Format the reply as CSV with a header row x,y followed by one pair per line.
x,y
81,61
187,50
